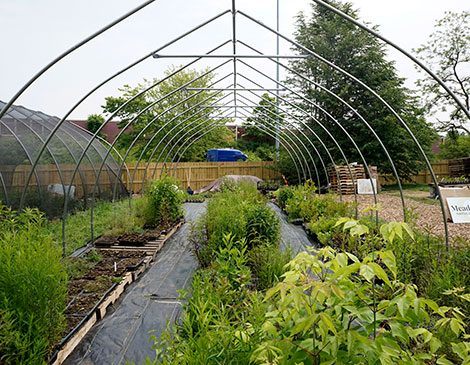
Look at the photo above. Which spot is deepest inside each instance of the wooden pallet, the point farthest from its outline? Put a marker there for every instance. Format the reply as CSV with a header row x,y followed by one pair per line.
x,y
346,184
96,314
459,167
150,248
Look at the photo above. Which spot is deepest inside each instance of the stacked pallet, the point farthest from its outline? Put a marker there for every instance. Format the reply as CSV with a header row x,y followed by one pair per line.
x,y
345,184
459,167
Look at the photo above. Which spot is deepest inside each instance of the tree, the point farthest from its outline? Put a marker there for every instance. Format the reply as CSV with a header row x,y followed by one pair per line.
x,y
94,122
455,145
257,143
448,54
167,111
363,56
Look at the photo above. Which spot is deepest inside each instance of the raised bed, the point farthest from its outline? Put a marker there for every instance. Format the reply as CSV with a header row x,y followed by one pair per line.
x,y
195,200
91,296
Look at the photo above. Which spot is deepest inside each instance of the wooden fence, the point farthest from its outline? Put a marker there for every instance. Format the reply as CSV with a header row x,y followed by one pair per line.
x,y
441,169
198,174
194,174
48,175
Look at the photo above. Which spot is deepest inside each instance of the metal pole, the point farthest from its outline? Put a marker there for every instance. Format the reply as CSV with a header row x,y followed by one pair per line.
x,y
96,88
234,50
402,122
277,84
70,50
231,56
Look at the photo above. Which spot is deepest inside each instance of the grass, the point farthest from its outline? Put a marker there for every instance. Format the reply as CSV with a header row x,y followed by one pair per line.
x,y
418,199
32,288
406,187
393,190
77,226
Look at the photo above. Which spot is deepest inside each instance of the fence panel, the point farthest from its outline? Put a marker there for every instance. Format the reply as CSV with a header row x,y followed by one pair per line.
x,y
193,174
441,169
198,174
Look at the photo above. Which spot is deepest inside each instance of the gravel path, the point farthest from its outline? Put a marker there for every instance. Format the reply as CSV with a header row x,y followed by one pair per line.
x,y
429,216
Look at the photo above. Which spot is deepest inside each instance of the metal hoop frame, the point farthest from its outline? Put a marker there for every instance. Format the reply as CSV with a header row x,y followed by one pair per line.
x,y
235,58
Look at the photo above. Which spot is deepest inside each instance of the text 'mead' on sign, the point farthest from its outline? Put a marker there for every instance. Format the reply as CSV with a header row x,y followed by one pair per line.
x,y
459,209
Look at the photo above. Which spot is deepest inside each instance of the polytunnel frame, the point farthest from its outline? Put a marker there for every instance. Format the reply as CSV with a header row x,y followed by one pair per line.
x,y
358,81
341,100
151,156
80,44
183,112
347,134
306,164
271,135
319,2
267,131
300,160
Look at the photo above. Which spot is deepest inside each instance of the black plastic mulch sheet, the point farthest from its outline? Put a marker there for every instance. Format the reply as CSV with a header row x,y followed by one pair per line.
x,y
293,237
146,305
150,302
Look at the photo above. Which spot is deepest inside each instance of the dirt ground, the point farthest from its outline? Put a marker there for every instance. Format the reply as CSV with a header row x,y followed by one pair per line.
x,y
429,216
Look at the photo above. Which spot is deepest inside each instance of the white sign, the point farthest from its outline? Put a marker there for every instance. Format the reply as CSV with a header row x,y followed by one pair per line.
x,y
459,209
365,187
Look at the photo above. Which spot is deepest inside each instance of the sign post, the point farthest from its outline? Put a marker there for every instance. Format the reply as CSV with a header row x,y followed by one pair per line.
x,y
459,209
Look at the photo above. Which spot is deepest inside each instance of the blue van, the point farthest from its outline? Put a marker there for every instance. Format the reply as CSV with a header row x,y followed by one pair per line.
x,y
225,155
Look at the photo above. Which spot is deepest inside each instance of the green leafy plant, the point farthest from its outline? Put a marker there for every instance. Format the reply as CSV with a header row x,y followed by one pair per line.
x,y
283,195
32,288
267,263
262,224
162,204
324,312
239,210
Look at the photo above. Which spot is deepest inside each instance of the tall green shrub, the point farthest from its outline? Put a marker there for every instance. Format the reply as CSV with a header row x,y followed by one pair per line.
x,y
32,288
239,210
162,204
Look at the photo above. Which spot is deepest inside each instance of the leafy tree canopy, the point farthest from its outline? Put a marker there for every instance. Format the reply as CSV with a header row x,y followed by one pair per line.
x,y
447,53
171,110
363,56
94,122
456,145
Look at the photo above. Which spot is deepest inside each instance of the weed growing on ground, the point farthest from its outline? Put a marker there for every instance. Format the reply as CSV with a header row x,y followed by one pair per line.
x,y
32,288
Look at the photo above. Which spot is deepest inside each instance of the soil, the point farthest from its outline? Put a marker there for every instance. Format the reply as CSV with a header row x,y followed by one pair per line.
x,y
106,241
85,292
132,239
429,217
152,234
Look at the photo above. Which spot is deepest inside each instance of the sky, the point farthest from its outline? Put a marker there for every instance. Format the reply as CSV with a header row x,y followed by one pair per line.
x,y
34,32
